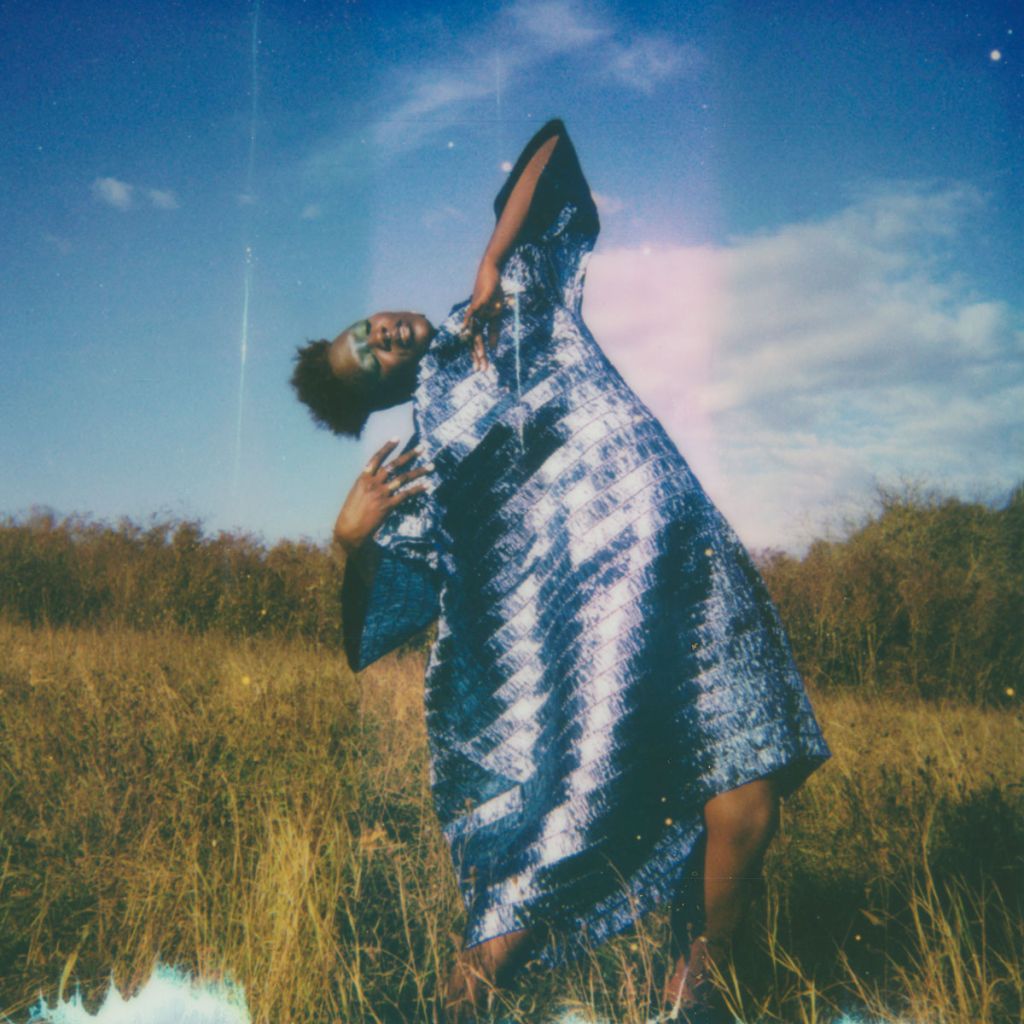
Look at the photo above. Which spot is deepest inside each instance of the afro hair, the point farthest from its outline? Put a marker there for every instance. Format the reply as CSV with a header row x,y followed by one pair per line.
x,y
334,403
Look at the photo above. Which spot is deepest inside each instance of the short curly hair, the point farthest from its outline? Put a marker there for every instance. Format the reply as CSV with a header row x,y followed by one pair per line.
x,y
335,404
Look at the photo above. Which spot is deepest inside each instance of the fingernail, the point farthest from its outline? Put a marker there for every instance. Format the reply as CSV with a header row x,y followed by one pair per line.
x,y
429,466
393,440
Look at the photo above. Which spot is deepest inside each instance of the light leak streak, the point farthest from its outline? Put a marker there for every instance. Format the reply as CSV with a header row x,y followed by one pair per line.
x,y
244,357
254,93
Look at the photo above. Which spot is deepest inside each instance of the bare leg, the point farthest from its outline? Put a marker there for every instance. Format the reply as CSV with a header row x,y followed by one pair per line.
x,y
479,971
740,825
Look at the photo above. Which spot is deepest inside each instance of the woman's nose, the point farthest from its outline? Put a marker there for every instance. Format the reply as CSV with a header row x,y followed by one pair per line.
x,y
389,347
387,354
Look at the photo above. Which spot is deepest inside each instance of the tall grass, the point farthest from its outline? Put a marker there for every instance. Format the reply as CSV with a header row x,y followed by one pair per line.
x,y
245,807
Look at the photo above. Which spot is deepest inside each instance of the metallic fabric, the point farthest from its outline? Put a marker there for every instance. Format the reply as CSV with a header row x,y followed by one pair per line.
x,y
607,657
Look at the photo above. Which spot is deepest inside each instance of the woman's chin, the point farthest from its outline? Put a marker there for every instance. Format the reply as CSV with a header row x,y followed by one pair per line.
x,y
391,401
398,393
423,335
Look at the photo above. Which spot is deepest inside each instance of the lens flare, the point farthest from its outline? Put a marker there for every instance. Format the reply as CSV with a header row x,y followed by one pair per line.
x,y
169,996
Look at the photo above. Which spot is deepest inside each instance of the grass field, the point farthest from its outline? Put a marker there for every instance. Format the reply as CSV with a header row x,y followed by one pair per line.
x,y
246,808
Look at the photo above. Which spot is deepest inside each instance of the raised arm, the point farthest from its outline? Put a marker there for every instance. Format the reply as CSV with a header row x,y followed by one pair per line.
x,y
487,300
513,216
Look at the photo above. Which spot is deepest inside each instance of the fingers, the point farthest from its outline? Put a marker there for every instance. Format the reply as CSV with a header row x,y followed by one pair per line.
x,y
481,336
485,308
403,459
471,333
483,318
376,463
480,361
403,478
469,322
394,482
373,466
400,496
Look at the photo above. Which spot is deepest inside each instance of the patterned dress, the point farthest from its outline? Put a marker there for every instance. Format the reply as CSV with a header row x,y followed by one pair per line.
x,y
607,657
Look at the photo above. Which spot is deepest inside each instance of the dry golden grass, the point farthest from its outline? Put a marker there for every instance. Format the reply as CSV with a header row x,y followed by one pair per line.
x,y
245,808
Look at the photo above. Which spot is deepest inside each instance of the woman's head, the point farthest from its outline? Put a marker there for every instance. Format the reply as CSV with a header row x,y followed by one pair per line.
x,y
371,365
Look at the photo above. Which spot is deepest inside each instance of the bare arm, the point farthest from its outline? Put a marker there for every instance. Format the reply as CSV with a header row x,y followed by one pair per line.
x,y
486,303
518,206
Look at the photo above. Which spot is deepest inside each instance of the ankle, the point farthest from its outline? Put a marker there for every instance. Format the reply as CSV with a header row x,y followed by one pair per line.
x,y
720,945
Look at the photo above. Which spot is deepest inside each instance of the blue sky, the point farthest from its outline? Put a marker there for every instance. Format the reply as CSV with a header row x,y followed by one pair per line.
x,y
809,264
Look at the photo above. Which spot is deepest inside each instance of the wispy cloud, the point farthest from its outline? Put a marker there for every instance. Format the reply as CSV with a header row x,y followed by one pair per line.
x,y
311,211
796,367
442,214
413,119
162,199
649,60
530,34
61,244
555,26
114,193
123,196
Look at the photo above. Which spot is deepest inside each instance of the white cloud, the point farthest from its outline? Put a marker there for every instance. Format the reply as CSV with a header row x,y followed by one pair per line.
x,y
557,25
649,60
121,194
113,192
406,125
311,211
439,215
162,199
527,34
797,366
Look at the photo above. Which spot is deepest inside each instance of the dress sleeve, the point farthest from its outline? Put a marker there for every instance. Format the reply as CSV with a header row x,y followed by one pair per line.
x,y
561,204
403,596
400,601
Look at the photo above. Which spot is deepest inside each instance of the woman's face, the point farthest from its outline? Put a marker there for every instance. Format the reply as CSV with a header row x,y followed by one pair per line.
x,y
380,354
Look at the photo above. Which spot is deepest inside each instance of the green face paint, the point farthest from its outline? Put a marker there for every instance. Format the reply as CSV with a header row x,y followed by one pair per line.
x,y
365,358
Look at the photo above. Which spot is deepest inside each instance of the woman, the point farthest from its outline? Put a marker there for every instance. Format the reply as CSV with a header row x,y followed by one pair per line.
x,y
612,707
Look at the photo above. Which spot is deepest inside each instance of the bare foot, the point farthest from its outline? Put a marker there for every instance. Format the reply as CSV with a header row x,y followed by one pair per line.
x,y
479,972
690,993
466,991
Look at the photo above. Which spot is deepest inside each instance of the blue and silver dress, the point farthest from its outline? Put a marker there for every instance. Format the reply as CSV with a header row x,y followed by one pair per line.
x,y
607,657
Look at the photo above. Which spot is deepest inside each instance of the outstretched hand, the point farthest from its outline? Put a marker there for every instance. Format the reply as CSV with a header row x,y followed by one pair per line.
x,y
377,490
483,314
